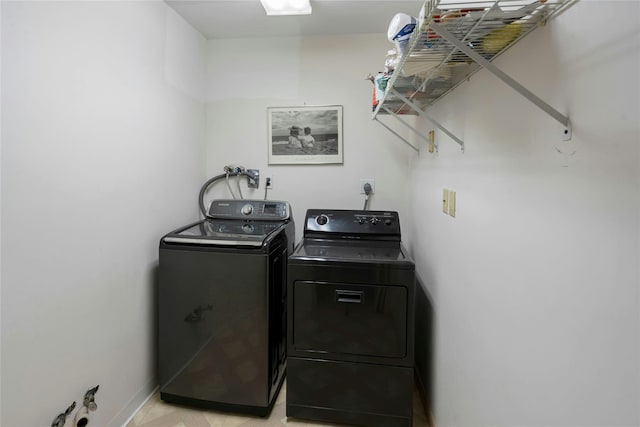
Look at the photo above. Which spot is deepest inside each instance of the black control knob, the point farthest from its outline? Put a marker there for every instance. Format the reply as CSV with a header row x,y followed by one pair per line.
x,y
322,219
374,220
387,222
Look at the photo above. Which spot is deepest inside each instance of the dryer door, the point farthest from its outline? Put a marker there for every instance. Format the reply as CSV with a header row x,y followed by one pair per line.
x,y
350,319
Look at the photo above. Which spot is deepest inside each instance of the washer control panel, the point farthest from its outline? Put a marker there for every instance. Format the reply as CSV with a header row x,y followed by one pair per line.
x,y
249,209
352,224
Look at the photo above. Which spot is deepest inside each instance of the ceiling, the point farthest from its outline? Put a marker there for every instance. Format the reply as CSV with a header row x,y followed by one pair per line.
x,y
219,19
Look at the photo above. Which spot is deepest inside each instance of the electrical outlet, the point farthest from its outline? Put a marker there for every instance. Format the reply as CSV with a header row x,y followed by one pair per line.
x,y
371,182
432,141
452,203
268,182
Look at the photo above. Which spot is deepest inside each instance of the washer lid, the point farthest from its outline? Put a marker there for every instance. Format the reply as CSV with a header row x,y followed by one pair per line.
x,y
225,233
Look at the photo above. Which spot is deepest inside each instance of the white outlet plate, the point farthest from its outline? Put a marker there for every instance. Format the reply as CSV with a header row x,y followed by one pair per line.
x,y
371,182
452,203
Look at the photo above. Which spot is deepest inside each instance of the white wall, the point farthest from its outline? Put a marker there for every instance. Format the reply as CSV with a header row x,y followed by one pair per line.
x,y
534,284
248,75
102,139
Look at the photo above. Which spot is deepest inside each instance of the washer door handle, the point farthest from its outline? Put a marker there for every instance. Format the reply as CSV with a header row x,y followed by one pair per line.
x,y
196,314
349,297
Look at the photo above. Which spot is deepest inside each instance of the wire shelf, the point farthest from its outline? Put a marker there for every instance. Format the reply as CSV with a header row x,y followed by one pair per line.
x,y
433,62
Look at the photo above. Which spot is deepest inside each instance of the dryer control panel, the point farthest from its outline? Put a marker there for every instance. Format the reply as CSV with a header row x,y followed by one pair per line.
x,y
268,210
351,224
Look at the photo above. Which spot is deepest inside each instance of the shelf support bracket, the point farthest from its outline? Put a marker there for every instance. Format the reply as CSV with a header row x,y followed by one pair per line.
x,y
451,38
417,109
397,134
416,131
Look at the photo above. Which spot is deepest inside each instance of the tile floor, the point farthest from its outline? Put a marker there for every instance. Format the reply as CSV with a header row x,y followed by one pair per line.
x,y
156,413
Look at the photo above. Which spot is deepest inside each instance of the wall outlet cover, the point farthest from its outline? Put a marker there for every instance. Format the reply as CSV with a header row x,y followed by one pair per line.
x,y
452,203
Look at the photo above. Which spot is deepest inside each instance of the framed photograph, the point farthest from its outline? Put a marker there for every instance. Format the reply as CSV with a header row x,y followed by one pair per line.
x,y
305,135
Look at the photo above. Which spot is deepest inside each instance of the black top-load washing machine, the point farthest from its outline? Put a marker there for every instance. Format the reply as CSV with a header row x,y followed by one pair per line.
x,y
222,307
350,335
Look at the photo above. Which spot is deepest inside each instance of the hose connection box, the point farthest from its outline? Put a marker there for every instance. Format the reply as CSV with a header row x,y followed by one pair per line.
x,y
253,178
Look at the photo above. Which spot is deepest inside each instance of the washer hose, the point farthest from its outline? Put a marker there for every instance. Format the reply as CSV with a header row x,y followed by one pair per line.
x,y
206,185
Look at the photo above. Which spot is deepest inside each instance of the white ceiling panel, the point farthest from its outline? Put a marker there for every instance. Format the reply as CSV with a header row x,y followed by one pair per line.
x,y
219,19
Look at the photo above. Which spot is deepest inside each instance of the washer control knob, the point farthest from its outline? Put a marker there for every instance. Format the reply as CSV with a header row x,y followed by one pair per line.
x,y
387,222
374,220
322,219
247,209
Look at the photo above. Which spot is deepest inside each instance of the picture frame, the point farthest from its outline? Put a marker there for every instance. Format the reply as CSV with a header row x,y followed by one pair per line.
x,y
305,135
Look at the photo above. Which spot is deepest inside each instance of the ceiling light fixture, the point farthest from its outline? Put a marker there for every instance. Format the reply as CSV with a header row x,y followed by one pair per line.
x,y
286,7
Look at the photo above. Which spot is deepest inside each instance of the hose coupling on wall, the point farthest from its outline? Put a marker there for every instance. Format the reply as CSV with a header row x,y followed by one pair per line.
x,y
88,404
61,419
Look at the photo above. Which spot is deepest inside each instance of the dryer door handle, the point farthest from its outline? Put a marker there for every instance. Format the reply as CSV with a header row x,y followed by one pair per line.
x,y
349,297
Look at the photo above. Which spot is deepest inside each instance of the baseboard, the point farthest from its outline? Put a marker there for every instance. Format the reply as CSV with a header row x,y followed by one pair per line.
x,y
134,405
